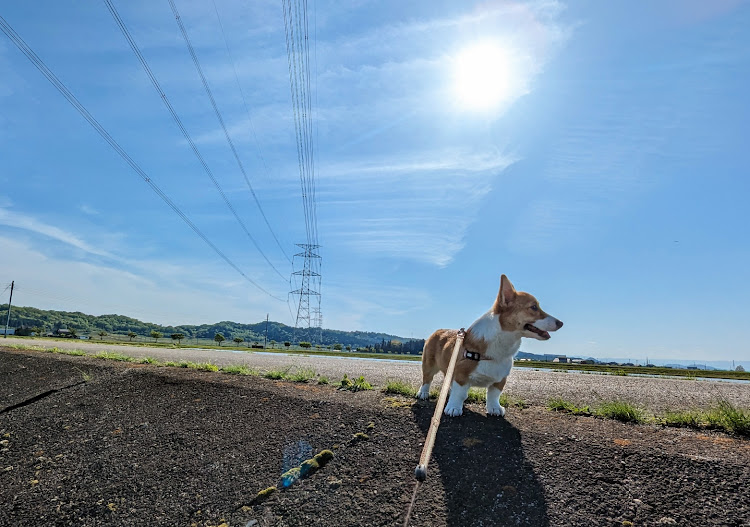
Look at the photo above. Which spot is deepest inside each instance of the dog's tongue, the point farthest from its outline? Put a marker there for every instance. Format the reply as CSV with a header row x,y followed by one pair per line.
x,y
538,331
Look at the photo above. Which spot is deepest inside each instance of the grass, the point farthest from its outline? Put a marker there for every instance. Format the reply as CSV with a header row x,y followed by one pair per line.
x,y
476,395
112,355
397,387
84,374
75,353
323,380
726,416
242,369
277,375
202,366
683,418
558,404
621,411
355,385
147,360
302,375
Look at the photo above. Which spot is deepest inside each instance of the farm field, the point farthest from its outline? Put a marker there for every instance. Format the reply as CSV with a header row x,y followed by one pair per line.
x,y
119,443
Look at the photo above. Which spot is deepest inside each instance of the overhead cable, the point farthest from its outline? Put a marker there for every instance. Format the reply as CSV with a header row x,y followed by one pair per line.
x,y
165,100
221,122
52,78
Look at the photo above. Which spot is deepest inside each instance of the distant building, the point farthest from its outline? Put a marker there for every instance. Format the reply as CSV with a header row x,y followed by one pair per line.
x,y
11,331
582,361
562,359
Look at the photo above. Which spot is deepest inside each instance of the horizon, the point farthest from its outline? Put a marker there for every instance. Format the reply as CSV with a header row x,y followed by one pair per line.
x,y
603,171
635,359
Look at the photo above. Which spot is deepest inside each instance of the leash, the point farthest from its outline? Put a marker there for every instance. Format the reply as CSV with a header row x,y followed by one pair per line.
x,y
421,471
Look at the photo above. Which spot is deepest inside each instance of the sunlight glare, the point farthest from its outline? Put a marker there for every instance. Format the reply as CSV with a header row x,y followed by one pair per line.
x,y
483,75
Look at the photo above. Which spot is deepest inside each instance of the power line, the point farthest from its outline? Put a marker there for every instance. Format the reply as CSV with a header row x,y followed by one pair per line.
x,y
221,121
242,92
296,29
182,128
52,78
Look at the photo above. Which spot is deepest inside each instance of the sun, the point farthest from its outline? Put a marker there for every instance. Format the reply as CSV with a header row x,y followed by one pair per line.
x,y
483,76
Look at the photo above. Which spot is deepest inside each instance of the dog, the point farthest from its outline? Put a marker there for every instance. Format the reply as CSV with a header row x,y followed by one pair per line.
x,y
491,342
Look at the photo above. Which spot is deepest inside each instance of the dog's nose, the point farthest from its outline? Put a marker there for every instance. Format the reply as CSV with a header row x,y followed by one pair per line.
x,y
559,323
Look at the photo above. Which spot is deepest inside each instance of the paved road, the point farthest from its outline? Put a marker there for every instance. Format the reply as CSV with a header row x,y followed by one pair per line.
x,y
534,387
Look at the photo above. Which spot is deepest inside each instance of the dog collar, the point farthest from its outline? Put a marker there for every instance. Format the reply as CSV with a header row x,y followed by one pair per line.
x,y
472,355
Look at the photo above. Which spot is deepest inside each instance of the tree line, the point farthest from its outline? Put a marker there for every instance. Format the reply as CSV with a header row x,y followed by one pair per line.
x,y
83,324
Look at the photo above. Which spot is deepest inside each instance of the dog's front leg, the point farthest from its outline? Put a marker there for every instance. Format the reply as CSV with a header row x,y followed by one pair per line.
x,y
493,399
455,406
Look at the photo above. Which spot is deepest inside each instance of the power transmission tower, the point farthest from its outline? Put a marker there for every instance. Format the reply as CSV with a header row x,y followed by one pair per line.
x,y
311,260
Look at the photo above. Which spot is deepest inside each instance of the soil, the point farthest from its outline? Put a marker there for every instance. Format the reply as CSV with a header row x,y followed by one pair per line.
x,y
142,445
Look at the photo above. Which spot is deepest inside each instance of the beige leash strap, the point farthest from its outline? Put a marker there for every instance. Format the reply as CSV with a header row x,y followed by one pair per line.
x,y
421,471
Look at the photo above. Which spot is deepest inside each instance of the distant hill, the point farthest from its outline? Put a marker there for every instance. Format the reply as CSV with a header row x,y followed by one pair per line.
x,y
120,324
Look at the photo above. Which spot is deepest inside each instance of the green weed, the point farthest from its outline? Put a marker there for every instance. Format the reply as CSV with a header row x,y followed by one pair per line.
x,y
302,375
400,388
112,355
355,385
277,374
558,404
242,369
476,395
75,353
147,360
203,366
683,418
730,418
621,411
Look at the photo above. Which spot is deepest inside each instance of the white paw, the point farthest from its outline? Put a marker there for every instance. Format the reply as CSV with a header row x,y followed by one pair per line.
x,y
496,410
453,411
424,393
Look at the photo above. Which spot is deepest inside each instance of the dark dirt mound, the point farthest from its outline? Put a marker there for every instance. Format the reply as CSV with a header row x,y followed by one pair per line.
x,y
140,445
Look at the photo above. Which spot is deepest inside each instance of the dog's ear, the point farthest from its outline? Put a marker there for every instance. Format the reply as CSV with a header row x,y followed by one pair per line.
x,y
506,294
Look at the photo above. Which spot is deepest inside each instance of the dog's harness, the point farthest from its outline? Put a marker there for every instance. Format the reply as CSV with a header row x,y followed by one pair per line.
x,y
473,355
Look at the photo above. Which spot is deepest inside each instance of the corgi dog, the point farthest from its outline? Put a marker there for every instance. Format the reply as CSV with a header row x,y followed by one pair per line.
x,y
491,342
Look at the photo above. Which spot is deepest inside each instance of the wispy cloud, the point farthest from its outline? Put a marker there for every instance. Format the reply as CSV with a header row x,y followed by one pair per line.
x,y
21,221
53,282
88,210
416,208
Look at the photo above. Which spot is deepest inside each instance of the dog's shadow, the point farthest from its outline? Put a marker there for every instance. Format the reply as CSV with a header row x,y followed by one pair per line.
x,y
481,466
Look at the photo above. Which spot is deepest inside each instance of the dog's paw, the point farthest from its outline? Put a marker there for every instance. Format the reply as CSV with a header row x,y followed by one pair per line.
x,y
453,411
496,410
423,393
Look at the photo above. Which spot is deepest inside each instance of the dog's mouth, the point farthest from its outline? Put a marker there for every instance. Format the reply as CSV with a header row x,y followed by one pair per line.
x,y
542,334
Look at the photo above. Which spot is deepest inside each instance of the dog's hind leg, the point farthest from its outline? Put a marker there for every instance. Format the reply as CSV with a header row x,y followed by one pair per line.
x,y
428,372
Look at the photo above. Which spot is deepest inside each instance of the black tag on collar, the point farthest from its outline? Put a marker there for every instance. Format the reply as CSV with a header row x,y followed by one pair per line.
x,y
472,355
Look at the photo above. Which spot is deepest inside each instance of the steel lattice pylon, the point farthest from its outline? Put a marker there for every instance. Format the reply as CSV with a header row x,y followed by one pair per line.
x,y
308,317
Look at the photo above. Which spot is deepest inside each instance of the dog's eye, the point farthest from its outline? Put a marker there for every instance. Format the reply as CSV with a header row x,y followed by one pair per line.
x,y
535,307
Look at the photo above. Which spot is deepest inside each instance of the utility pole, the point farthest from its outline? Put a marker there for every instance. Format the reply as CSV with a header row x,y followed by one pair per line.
x,y
265,341
7,320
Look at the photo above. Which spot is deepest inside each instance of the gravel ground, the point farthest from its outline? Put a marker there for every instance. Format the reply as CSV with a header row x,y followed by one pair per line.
x,y
534,387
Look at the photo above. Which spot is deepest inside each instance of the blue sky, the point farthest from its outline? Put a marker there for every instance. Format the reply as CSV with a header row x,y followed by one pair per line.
x,y
610,179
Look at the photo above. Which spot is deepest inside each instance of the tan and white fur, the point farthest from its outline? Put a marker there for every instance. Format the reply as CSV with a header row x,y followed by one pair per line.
x,y
496,336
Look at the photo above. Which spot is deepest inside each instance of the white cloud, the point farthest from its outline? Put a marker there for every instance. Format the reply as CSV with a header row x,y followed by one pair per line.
x,y
168,294
415,208
21,221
